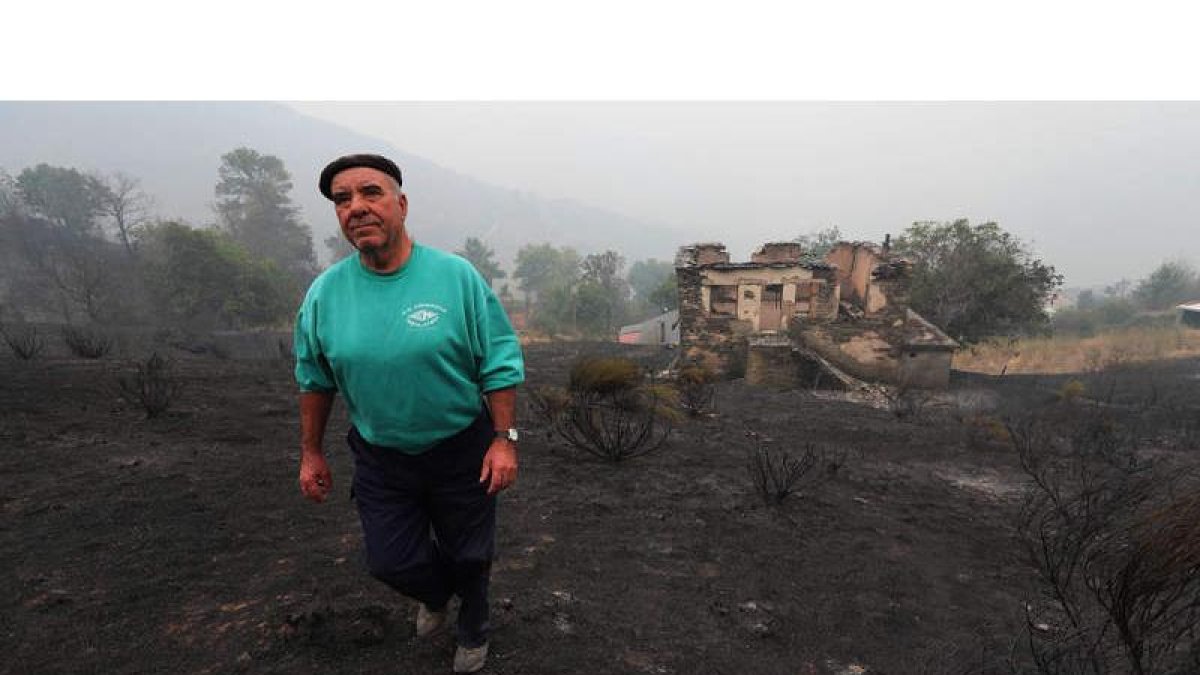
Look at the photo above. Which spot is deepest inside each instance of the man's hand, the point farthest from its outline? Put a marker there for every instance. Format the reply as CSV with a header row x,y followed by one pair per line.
x,y
499,466
315,479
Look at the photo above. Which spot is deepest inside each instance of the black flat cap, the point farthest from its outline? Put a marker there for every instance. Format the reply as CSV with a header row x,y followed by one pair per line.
x,y
377,162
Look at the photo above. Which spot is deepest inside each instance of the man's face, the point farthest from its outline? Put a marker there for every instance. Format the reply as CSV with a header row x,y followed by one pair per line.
x,y
370,209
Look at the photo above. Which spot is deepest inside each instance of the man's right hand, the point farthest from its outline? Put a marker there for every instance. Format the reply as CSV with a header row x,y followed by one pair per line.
x,y
315,479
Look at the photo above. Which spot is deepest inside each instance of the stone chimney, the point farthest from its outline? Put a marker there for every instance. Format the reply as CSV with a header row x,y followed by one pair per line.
x,y
708,253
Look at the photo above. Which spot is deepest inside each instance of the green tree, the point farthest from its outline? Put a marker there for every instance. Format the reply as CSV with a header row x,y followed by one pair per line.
x,y
1085,320
818,242
547,276
205,279
976,281
542,266
1169,284
666,296
556,310
602,294
254,207
646,281
480,256
64,197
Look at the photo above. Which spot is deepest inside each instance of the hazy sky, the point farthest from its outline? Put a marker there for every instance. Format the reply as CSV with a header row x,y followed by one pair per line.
x,y
1100,190
1103,191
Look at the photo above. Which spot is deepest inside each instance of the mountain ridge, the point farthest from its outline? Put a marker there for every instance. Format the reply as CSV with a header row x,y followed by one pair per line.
x,y
174,149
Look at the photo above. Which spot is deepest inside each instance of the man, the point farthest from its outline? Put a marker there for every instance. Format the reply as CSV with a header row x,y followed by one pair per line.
x,y
416,343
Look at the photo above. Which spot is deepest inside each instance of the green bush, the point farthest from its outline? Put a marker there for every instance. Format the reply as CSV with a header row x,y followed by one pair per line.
x,y
204,279
604,375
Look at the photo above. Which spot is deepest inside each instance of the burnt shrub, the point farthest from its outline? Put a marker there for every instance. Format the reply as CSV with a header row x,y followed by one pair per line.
x,y
154,386
87,343
547,403
984,431
1072,390
24,341
906,402
735,364
609,410
776,473
696,385
1116,542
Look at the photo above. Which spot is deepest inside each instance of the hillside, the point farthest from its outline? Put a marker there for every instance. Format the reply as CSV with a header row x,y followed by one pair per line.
x,y
175,149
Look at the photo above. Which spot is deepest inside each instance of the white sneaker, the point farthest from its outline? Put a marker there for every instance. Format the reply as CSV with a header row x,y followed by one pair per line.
x,y
470,659
429,621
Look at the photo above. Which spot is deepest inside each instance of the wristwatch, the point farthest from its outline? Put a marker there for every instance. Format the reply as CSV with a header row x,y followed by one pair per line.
x,y
509,435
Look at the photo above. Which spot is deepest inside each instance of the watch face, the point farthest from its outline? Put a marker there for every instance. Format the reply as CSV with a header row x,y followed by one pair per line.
x,y
510,434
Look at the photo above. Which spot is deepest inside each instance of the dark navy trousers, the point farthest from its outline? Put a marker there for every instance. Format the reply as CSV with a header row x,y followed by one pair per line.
x,y
429,525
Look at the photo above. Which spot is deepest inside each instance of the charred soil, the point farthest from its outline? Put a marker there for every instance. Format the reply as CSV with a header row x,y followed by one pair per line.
x,y
181,544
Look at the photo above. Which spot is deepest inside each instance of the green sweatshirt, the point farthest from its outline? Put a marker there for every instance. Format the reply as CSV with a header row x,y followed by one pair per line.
x,y
410,351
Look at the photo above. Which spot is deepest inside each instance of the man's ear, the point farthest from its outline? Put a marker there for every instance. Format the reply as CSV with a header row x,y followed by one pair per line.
x,y
404,204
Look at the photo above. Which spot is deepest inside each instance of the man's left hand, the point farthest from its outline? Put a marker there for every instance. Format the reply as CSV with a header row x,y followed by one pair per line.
x,y
499,466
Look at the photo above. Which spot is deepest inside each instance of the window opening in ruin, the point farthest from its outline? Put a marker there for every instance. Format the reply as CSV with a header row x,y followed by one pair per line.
x,y
722,300
773,296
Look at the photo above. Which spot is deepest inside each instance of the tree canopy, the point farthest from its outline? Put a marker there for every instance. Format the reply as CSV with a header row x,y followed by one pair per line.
x,y
653,285
541,267
976,281
255,208
1168,285
602,294
480,255
549,278
818,242
204,278
63,196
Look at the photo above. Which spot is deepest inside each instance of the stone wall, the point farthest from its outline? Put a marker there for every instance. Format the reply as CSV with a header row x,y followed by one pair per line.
x,y
716,341
863,348
870,279
778,252
772,365
925,369
730,312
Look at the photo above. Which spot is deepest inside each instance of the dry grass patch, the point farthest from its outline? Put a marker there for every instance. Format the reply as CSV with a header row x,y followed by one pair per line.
x,y
1074,355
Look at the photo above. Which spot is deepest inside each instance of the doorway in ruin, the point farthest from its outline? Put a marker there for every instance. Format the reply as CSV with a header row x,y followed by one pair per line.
x,y
770,310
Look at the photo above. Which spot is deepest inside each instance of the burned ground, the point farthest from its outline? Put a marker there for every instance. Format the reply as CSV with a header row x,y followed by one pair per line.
x,y
181,544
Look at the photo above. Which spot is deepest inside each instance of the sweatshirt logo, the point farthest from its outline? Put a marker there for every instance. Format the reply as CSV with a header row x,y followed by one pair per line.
x,y
423,315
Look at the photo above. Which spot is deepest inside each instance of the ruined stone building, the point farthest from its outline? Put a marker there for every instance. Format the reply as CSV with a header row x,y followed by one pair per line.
x,y
786,318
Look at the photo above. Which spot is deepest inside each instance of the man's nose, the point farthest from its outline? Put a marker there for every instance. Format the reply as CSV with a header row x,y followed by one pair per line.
x,y
358,205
